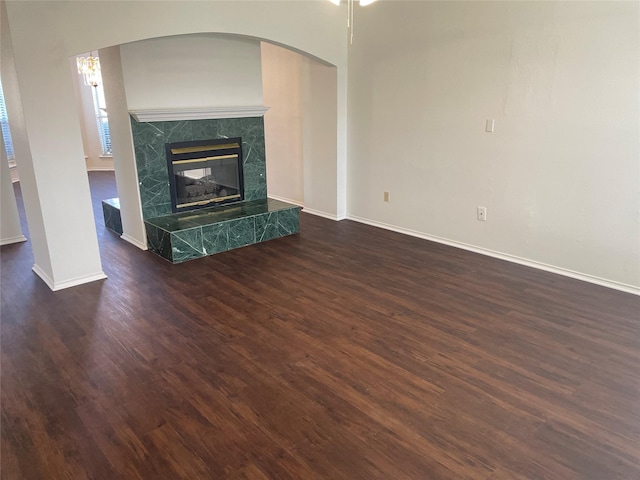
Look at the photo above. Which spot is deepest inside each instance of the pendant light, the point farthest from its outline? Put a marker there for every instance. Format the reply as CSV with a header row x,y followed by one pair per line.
x,y
363,3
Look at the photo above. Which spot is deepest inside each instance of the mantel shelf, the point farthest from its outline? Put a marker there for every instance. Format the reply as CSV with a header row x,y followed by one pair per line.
x,y
197,113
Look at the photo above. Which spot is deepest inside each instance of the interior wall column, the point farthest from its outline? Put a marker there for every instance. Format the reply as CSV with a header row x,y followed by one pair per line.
x,y
122,144
50,158
21,148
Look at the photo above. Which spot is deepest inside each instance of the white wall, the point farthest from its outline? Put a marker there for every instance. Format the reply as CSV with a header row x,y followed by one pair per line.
x,y
52,131
282,91
192,71
300,127
319,124
300,130
560,175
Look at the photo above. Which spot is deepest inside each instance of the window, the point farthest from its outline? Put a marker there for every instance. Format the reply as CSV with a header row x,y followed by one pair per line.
x,y
100,107
4,122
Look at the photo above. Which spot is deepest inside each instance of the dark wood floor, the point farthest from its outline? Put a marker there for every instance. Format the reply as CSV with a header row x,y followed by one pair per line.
x,y
345,352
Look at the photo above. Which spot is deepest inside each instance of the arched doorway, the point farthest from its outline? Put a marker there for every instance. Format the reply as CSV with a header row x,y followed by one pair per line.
x,y
197,71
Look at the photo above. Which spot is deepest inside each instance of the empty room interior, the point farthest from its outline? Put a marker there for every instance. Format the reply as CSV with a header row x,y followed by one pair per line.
x,y
320,239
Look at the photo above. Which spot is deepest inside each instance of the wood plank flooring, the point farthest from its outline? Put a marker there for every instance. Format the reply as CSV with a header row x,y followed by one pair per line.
x,y
345,352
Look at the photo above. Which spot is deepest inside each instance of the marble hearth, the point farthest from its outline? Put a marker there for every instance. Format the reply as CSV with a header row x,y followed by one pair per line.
x,y
189,235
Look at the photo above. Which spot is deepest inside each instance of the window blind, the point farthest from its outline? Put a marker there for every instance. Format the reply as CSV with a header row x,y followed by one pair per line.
x,y
4,121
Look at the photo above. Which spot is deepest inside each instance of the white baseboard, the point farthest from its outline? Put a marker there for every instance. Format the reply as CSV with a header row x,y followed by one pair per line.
x,y
9,241
13,170
318,213
286,200
623,287
133,241
55,286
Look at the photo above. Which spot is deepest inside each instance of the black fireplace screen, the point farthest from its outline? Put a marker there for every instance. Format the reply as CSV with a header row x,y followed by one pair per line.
x,y
205,173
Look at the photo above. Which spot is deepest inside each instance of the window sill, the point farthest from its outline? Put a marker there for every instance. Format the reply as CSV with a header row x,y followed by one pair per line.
x,y
109,156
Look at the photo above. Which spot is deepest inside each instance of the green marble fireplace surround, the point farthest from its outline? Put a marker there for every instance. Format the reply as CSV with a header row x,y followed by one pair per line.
x,y
188,235
149,140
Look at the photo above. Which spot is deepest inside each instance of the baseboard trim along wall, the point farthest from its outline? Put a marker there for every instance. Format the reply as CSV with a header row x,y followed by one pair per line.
x,y
101,169
15,176
133,241
9,241
623,287
318,213
286,200
55,286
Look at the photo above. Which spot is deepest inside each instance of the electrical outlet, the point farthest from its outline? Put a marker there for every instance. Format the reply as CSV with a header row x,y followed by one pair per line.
x,y
482,214
386,196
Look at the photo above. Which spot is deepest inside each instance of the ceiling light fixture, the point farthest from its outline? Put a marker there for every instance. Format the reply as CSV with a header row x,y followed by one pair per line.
x,y
363,3
89,68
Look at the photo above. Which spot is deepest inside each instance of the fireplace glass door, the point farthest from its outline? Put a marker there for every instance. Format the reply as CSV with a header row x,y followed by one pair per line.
x,y
205,175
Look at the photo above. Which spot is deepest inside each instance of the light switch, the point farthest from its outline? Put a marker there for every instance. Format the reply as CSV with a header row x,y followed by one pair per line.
x,y
491,123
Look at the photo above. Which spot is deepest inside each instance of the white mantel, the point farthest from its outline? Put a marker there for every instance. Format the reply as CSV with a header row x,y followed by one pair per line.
x,y
197,113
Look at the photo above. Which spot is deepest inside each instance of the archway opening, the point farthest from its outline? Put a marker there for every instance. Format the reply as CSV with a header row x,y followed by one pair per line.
x,y
220,70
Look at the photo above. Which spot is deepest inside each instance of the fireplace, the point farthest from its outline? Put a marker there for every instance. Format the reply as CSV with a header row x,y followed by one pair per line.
x,y
205,173
179,171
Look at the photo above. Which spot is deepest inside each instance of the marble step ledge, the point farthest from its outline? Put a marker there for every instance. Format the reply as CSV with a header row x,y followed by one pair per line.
x,y
111,214
191,235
